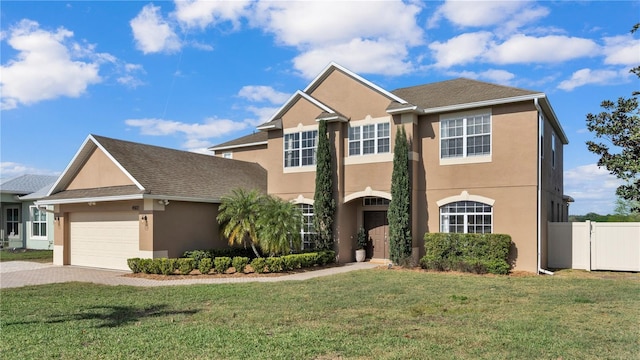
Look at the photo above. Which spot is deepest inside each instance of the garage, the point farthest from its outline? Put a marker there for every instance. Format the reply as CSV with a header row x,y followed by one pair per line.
x,y
103,239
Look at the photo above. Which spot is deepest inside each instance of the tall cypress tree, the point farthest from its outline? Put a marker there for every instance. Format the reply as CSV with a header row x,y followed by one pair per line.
x,y
399,214
324,206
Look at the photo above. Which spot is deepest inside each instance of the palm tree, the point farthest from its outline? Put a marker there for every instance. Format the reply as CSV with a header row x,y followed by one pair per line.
x,y
279,226
238,215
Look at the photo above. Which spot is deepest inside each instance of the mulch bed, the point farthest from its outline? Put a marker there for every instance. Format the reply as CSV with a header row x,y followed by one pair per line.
x,y
231,273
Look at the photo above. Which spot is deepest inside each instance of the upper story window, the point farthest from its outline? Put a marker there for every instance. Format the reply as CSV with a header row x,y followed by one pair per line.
x,y
466,217
369,139
38,222
465,135
300,148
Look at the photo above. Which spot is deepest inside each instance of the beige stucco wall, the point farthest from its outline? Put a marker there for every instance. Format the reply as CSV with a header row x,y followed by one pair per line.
x,y
99,171
186,226
249,153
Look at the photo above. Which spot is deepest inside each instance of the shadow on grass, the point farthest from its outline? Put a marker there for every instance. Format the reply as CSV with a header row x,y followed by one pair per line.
x,y
113,316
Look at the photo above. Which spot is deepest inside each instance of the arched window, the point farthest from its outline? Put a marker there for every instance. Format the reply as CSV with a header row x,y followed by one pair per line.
x,y
466,217
307,232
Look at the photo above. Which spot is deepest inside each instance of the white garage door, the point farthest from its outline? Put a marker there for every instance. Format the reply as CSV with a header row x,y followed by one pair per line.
x,y
104,240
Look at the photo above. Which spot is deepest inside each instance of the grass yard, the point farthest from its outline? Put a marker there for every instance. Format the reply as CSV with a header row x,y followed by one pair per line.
x,y
371,314
26,255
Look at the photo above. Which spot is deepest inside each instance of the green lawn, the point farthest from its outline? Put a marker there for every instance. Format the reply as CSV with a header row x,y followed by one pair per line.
x,y
370,314
26,255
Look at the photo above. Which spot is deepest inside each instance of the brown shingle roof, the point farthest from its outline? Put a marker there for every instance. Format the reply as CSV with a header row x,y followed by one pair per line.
x,y
256,137
170,173
456,92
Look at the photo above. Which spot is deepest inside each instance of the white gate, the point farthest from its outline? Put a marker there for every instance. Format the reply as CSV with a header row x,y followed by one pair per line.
x,y
594,246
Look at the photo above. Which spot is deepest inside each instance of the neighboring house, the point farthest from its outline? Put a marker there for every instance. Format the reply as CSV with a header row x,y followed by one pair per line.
x,y
117,200
484,158
22,223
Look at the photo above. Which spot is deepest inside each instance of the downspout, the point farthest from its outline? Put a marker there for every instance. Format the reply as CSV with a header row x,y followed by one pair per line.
x,y
539,205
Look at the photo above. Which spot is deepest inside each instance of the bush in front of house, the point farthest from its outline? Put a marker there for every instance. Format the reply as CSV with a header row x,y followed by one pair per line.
x,y
222,263
476,253
186,265
240,263
205,265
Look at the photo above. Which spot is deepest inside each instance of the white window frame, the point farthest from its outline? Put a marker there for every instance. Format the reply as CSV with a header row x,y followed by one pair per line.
x,y
464,118
16,221
307,230
39,219
466,215
227,155
295,146
381,132
541,129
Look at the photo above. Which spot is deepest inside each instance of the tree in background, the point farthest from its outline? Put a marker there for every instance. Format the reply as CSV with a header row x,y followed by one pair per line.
x,y
399,214
324,205
620,125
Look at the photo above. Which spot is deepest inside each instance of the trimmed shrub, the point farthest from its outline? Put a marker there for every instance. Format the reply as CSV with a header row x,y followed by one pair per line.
x,y
166,266
239,263
477,253
275,264
308,259
134,265
258,265
326,257
205,265
291,262
186,265
221,264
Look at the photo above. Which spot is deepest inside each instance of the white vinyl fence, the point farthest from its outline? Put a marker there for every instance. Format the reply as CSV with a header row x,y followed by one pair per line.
x,y
594,246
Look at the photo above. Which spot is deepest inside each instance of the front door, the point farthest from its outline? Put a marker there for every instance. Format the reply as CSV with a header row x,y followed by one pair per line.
x,y
377,227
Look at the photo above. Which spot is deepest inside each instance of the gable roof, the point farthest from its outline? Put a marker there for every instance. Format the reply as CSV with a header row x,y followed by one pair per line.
x,y
459,91
159,173
27,184
257,138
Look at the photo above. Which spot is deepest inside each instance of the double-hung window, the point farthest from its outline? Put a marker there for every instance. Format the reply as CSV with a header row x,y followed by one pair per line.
x,y
300,148
369,139
307,232
466,217
38,222
465,136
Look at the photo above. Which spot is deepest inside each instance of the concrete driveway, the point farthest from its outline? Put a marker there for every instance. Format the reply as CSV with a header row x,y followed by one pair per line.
x,y
23,273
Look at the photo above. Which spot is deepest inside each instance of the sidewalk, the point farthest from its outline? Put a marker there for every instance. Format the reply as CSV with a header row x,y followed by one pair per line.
x,y
23,273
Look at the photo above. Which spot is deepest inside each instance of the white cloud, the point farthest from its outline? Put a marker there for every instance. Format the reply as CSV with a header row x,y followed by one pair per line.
x,y
461,49
260,93
360,56
152,33
507,14
202,13
598,77
44,67
350,32
593,189
196,134
263,114
10,170
522,49
128,78
622,50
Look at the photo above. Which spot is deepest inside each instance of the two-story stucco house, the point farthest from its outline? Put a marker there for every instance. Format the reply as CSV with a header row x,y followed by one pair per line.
x,y
483,158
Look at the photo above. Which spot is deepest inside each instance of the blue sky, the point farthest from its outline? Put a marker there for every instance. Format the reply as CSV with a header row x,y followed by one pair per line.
x,y
191,74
